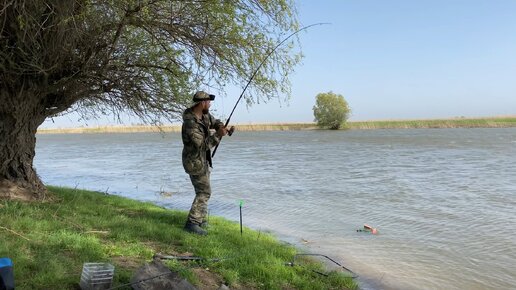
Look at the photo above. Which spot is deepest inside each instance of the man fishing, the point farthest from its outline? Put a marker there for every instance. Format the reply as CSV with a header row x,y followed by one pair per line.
x,y
197,144
197,141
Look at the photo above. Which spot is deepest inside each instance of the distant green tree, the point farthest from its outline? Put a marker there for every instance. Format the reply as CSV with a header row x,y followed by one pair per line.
x,y
331,110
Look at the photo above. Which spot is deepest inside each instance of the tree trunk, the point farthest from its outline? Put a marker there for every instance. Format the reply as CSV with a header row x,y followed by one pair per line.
x,y
18,126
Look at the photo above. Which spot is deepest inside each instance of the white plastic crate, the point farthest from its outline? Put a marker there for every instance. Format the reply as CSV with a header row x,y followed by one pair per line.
x,y
97,276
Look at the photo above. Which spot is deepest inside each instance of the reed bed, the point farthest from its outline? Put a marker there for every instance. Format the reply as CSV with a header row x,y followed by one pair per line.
x,y
276,127
494,122
112,129
176,128
437,123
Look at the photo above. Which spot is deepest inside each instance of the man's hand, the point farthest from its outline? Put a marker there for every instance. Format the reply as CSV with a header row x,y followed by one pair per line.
x,y
222,131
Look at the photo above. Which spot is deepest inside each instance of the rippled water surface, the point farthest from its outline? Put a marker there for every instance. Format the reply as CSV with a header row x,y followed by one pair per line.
x,y
443,200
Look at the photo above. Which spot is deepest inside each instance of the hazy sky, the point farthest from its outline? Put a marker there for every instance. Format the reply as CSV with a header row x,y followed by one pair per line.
x,y
396,60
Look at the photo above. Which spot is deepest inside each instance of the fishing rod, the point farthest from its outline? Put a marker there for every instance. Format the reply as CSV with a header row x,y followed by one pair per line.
x,y
168,257
256,72
293,263
202,259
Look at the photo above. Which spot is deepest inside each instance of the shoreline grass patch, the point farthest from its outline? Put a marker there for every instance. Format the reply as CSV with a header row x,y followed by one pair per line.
x,y
492,122
49,242
495,122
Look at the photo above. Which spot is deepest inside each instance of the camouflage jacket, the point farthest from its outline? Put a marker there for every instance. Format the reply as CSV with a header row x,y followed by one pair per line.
x,y
197,141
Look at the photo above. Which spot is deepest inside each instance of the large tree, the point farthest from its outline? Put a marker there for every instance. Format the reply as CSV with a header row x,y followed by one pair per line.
x,y
143,57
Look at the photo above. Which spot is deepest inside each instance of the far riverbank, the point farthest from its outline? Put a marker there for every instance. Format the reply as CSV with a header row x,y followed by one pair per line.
x,y
493,122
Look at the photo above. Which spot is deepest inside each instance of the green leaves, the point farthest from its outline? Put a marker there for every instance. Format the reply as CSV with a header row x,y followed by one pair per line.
x,y
331,110
142,57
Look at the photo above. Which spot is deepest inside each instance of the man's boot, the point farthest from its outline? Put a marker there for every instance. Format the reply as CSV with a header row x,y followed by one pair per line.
x,y
204,225
194,229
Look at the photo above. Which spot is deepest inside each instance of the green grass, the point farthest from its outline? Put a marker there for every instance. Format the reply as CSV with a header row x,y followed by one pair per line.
x,y
49,242
500,122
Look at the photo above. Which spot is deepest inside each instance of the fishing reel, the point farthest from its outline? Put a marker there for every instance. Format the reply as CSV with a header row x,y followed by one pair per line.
x,y
231,130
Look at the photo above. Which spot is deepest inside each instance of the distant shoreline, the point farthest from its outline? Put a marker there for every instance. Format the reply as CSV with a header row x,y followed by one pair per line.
x,y
492,122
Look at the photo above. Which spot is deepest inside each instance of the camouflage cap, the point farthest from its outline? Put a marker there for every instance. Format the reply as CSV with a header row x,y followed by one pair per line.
x,y
202,96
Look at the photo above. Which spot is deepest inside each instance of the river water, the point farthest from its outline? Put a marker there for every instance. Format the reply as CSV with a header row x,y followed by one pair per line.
x,y
443,200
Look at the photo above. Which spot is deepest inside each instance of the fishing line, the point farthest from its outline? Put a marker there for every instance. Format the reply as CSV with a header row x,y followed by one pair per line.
x,y
141,281
256,72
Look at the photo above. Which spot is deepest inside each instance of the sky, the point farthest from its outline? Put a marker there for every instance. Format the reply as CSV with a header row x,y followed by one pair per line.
x,y
392,60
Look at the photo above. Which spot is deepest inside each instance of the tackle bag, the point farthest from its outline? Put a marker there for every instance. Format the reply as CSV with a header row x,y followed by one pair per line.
x,y
6,274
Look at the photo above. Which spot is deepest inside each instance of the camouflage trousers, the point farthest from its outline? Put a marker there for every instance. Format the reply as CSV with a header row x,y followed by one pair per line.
x,y
199,210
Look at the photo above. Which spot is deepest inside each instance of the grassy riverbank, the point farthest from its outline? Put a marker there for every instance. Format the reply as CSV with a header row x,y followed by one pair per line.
x,y
494,122
498,122
49,242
